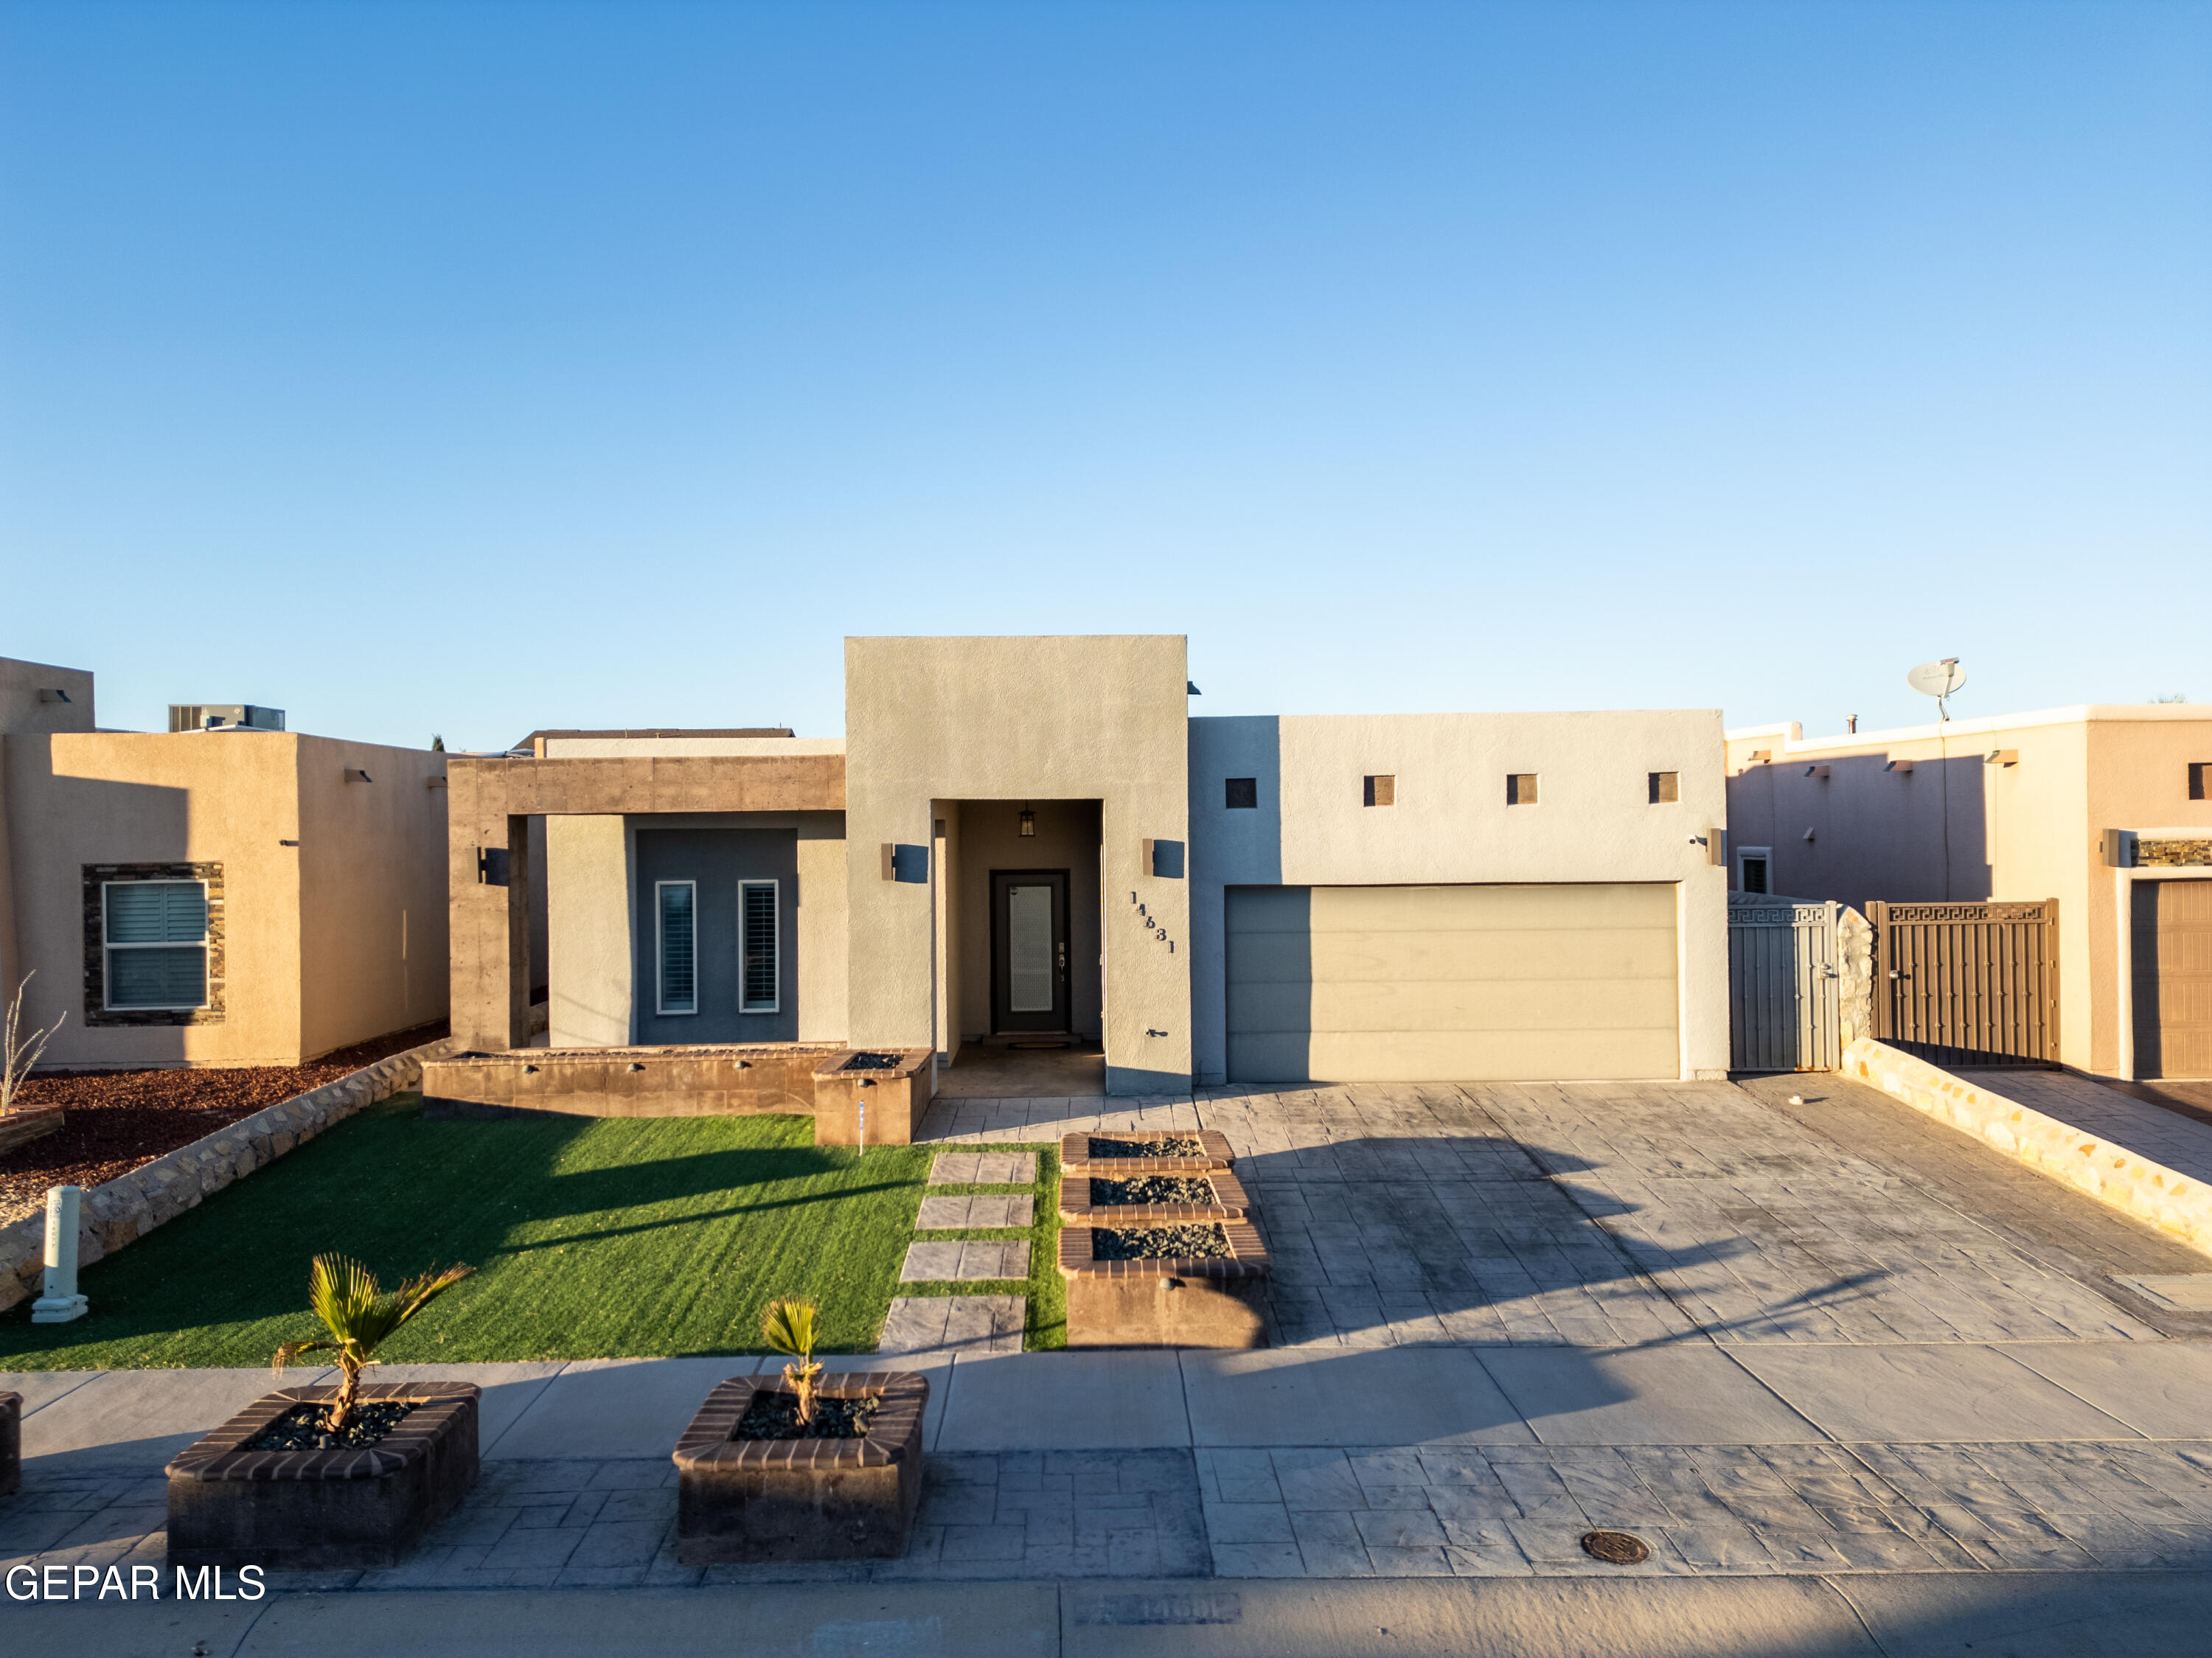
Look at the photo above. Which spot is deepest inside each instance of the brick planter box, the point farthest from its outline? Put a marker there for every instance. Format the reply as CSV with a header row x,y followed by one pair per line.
x,y
895,1085
1204,1302
11,1442
27,1123
749,1500
1230,1202
706,1081
324,1511
1077,1156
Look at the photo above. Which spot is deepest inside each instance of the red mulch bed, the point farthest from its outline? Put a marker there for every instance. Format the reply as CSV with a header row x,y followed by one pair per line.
x,y
114,1121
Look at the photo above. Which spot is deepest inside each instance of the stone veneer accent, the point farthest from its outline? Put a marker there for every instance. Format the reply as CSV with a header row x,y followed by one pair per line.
x,y
96,1010
2174,1203
2169,852
120,1211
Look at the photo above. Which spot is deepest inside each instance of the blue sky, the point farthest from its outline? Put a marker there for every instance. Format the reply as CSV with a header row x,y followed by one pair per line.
x,y
471,368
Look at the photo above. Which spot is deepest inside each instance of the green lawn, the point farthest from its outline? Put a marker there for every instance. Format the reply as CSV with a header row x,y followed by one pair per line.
x,y
592,1238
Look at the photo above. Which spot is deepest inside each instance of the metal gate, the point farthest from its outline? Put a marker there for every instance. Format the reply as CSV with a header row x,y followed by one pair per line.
x,y
1785,1011
1967,984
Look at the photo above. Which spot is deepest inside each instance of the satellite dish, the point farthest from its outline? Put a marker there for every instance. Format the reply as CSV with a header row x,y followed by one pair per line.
x,y
1939,680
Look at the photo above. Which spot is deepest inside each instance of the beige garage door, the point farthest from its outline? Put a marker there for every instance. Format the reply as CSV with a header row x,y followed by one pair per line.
x,y
1457,983
2172,935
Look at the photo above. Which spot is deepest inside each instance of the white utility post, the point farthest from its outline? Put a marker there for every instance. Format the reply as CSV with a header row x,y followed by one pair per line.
x,y
61,1302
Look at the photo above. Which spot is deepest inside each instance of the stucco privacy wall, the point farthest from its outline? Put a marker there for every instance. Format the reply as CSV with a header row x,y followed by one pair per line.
x,y
2028,830
1593,821
22,685
493,799
590,885
1099,718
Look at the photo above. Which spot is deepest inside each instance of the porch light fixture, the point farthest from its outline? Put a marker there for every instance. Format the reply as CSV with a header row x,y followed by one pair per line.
x,y
1028,823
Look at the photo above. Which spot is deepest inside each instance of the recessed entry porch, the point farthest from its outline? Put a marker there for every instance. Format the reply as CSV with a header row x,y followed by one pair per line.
x,y
1020,1002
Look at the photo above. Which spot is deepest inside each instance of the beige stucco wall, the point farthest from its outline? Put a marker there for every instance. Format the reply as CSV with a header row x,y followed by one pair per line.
x,y
333,894
589,860
1593,821
225,797
1096,718
21,710
372,882
2032,829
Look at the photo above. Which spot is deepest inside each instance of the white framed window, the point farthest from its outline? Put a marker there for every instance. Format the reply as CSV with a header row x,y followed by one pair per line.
x,y
154,937
1754,867
759,960
676,906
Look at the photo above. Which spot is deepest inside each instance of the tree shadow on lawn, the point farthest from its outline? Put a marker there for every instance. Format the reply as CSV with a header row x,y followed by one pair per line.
x,y
402,1193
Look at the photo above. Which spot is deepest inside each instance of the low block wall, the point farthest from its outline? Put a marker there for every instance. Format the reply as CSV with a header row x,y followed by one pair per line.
x,y
27,1123
627,1082
120,1211
2176,1204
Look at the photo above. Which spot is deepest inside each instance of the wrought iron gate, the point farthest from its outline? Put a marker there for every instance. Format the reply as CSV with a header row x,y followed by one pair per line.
x,y
1784,1009
1968,984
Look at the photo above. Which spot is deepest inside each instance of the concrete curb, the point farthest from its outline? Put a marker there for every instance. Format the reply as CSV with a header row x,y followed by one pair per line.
x,y
118,1212
2177,1205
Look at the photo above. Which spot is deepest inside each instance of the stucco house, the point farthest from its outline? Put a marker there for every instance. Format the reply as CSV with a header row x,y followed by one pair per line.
x,y
2107,810
1031,837
231,893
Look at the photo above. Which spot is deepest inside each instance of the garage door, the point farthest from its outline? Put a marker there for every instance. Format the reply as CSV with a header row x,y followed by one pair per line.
x,y
1456,983
2172,933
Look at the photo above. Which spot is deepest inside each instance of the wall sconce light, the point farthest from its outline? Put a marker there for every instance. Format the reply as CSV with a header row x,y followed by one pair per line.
x,y
1028,823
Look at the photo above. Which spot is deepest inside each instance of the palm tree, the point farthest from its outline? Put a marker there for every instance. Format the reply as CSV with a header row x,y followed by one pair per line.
x,y
788,1328
360,1317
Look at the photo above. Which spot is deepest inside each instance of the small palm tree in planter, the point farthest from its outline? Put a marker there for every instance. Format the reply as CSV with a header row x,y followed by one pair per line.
x,y
361,1318
317,1478
788,1328
835,1478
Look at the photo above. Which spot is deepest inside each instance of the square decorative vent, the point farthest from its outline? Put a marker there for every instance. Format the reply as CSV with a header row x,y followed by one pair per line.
x,y
1241,793
1380,789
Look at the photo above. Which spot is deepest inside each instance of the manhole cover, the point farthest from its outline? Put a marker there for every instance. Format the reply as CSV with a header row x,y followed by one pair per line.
x,y
1615,1548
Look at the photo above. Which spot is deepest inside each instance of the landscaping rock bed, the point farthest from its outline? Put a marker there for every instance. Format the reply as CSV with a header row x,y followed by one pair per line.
x,y
1160,1243
1149,1189
115,1122
306,1428
1121,1156
774,1415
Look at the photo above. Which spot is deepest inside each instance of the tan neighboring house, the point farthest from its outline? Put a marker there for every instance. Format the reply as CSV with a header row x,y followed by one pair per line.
x,y
1032,837
2108,810
236,895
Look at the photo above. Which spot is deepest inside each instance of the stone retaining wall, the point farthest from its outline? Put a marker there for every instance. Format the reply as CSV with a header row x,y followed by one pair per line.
x,y
120,1211
2176,1204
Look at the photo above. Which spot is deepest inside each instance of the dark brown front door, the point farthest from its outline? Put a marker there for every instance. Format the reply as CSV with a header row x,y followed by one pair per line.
x,y
1028,949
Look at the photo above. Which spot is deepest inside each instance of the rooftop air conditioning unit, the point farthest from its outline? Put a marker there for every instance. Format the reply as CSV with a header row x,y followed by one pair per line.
x,y
219,716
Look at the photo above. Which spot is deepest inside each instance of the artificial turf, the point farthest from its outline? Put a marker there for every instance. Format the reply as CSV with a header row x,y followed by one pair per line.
x,y
592,1238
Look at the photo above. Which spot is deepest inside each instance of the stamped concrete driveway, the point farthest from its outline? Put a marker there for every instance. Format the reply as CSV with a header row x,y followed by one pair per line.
x,y
1612,1215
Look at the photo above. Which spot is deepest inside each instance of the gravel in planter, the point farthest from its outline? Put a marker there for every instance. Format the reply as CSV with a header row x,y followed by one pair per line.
x,y
774,1415
1167,1146
1151,1189
1160,1243
303,1428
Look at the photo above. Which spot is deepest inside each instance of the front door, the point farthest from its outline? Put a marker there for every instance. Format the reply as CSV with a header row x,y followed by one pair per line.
x,y
1028,949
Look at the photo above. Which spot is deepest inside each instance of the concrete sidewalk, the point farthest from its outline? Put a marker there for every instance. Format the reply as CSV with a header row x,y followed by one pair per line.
x,y
2026,1616
1316,1463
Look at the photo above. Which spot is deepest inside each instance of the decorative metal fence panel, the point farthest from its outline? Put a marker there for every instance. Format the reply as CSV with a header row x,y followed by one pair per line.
x,y
1784,1005
1968,984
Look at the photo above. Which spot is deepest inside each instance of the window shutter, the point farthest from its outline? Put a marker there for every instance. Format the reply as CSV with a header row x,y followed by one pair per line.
x,y
758,923
156,913
679,963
